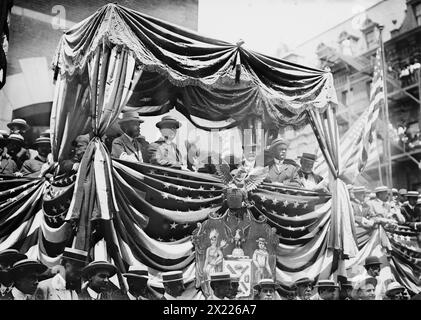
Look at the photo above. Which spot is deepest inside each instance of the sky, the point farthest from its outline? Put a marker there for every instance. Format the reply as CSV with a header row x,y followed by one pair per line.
x,y
265,24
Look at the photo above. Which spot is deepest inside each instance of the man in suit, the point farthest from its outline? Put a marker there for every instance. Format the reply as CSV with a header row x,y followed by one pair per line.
x,y
35,167
98,274
164,151
137,279
308,178
130,146
266,289
408,209
282,170
304,288
7,259
173,285
67,282
25,274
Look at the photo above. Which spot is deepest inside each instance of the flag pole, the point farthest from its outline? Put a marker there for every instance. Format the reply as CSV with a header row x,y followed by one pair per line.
x,y
389,179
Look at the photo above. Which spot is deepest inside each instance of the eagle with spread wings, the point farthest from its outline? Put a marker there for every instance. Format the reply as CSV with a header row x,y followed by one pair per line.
x,y
239,182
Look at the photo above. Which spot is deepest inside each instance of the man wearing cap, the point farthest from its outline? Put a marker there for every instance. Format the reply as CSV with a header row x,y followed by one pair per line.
x,y
381,209
365,289
66,284
266,289
137,279
304,288
326,290
98,274
19,127
308,178
130,146
7,259
7,164
71,166
282,170
408,209
394,291
25,274
173,285
220,282
164,151
35,167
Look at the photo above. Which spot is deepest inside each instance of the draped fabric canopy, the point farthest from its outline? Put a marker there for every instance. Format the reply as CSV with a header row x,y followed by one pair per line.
x,y
201,77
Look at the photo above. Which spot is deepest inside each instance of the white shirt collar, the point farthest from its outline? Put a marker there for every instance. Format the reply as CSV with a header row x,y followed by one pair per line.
x,y
412,207
169,297
94,295
4,289
58,282
19,295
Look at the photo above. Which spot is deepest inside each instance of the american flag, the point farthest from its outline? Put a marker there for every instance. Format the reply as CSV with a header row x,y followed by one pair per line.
x,y
376,102
359,144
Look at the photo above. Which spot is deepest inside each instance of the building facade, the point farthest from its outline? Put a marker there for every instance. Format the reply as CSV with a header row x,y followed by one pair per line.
x,y
349,50
35,29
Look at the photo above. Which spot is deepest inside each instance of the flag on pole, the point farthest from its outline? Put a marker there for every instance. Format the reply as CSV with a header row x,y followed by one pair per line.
x,y
376,102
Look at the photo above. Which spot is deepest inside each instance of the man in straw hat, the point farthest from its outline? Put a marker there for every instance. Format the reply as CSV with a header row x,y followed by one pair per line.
x,y
164,151
326,290
304,288
282,170
7,164
308,178
266,289
7,259
402,196
14,149
220,282
98,274
173,285
66,284
408,209
130,146
25,274
18,126
38,165
394,291
137,279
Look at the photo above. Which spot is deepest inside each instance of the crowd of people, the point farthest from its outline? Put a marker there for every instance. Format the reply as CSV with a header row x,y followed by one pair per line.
x,y
75,279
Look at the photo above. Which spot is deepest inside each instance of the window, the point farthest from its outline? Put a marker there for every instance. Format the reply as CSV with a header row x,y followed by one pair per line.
x,y
344,96
418,13
371,39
